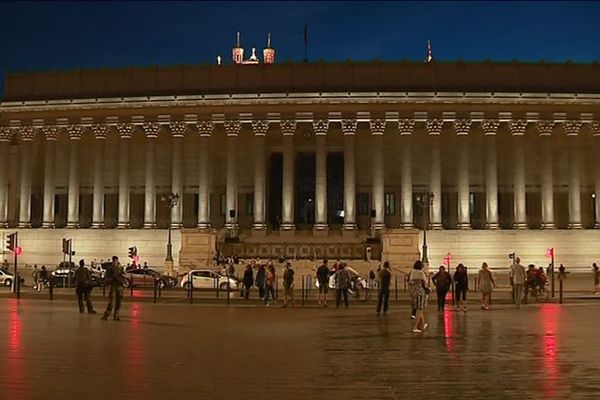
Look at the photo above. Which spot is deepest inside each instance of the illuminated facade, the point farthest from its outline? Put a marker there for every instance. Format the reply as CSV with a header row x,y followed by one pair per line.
x,y
327,150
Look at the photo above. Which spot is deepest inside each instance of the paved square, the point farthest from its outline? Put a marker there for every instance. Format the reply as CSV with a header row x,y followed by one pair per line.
x,y
178,351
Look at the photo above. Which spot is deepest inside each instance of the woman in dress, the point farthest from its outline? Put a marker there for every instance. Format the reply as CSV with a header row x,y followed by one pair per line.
x,y
486,285
418,288
461,286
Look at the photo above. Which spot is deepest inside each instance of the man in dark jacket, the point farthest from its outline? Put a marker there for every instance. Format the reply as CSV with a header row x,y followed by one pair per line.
x,y
384,277
248,281
83,288
114,280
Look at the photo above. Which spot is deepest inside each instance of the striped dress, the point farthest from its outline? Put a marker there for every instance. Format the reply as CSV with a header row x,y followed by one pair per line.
x,y
418,296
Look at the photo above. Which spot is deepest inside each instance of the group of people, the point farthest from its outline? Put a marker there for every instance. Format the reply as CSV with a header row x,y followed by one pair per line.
x,y
265,282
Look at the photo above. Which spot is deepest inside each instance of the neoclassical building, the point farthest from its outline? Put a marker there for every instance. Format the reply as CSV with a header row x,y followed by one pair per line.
x,y
330,153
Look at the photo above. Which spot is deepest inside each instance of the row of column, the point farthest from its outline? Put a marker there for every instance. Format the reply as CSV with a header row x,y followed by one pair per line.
x,y
288,128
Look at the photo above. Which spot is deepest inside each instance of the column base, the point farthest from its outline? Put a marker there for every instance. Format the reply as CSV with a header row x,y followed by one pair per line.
x,y
259,226
72,224
349,226
520,225
232,225
464,225
575,225
149,225
492,225
203,225
97,225
596,225
4,224
287,226
320,227
407,225
176,225
24,225
548,225
378,226
436,226
123,225
48,225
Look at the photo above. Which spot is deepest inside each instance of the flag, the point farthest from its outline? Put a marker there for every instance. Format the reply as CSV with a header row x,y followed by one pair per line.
x,y
429,52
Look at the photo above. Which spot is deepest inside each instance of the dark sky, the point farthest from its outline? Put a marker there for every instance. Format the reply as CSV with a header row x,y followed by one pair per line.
x,y
68,35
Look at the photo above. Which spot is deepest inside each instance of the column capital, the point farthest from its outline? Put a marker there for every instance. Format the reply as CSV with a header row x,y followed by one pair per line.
x,y
517,127
434,126
545,127
125,130
462,126
151,129
572,127
5,134
595,128
377,126
205,128
100,131
27,133
490,126
75,132
178,129
233,127
320,126
349,126
406,126
260,127
50,132
288,127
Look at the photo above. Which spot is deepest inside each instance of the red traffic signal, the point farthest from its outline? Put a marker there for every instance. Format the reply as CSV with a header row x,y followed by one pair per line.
x,y
550,252
18,250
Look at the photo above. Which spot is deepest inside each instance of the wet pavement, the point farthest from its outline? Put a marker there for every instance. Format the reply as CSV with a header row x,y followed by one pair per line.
x,y
179,351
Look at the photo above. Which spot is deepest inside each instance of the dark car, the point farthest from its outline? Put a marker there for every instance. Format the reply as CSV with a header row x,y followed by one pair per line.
x,y
145,277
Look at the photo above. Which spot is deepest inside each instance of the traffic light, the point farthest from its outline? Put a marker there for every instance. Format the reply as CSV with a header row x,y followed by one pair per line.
x,y
18,250
11,241
66,245
133,252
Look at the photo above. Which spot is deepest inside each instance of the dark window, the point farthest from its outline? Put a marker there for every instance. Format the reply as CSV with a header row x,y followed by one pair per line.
x,y
390,204
249,203
223,204
56,204
472,203
362,203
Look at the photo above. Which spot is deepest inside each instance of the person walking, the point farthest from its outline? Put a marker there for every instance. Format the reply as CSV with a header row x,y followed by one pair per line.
x,y
342,285
248,281
384,277
323,279
261,277
270,285
442,281
596,272
44,278
114,279
518,277
35,276
419,290
486,286
83,288
288,285
461,286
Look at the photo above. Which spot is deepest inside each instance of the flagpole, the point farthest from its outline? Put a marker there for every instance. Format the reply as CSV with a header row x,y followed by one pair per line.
x,y
305,43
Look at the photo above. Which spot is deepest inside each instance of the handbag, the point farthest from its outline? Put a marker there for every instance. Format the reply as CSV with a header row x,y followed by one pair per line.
x,y
425,288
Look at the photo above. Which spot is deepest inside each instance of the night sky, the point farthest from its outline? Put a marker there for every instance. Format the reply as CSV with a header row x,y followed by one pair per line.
x,y
65,35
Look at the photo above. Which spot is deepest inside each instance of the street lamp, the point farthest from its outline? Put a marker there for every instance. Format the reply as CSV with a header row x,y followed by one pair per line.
x,y
172,199
594,211
425,201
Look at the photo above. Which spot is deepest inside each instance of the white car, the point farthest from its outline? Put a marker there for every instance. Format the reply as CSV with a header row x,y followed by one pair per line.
x,y
208,279
357,283
6,278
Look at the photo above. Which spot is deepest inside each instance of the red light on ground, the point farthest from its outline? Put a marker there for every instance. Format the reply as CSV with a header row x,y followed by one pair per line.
x,y
18,250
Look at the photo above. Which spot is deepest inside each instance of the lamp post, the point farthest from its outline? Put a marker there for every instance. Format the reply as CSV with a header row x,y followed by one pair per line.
x,y
172,199
596,226
425,201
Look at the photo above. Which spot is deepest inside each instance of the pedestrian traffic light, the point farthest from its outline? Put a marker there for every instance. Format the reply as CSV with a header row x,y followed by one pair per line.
x,y
11,241
132,252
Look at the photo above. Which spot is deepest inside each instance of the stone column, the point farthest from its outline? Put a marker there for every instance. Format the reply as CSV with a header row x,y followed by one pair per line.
x,y
205,129
260,128
320,128
349,131
5,138
74,132
178,130
434,129
51,135
406,127
378,196
100,132
490,130
572,130
232,129
595,129
27,136
517,130
462,128
545,129
288,130
151,130
125,133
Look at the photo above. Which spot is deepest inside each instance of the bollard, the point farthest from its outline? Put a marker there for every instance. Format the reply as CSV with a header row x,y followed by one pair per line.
x,y
103,289
191,288
159,292
396,286
155,290
18,278
131,284
452,288
560,291
303,290
217,286
228,290
51,290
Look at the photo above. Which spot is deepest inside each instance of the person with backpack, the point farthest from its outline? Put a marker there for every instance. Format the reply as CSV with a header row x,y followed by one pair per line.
x,y
288,285
442,282
83,288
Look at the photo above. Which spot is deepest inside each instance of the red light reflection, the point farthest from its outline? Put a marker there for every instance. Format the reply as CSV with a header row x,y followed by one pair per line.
x,y
135,354
13,372
549,314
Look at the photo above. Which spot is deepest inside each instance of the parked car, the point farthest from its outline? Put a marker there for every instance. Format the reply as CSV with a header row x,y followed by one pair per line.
x,y
208,279
64,276
7,278
357,283
145,277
